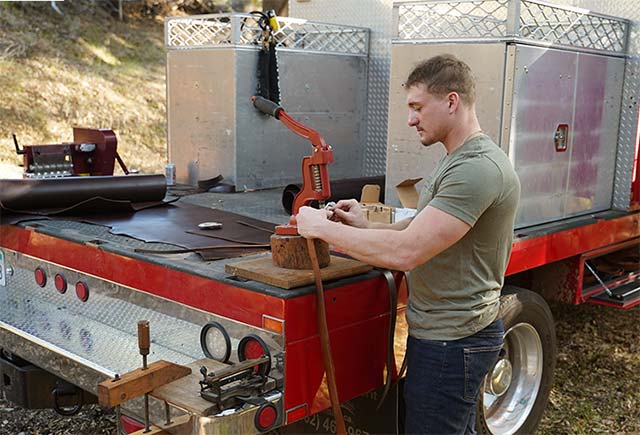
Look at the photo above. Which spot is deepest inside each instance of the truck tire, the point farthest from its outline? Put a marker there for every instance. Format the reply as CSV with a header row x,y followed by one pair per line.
x,y
516,390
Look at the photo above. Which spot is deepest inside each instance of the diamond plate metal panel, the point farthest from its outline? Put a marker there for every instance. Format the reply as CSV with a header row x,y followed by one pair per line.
x,y
377,16
92,331
627,134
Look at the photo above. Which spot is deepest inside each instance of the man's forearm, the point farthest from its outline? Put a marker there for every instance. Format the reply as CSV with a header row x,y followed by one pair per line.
x,y
378,247
397,226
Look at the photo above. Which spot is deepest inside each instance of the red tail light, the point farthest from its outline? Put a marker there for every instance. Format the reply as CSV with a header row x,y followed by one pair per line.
x,y
251,347
61,283
266,417
82,291
130,425
41,276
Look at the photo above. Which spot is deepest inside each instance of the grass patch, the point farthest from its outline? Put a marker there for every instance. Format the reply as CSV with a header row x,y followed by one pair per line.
x,y
87,69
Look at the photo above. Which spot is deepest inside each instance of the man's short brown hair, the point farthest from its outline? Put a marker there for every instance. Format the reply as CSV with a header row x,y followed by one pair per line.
x,y
443,74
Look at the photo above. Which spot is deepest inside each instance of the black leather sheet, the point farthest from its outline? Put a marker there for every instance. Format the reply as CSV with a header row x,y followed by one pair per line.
x,y
169,224
172,223
132,206
84,208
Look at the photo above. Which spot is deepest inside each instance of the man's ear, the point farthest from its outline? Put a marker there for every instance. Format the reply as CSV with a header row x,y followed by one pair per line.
x,y
454,100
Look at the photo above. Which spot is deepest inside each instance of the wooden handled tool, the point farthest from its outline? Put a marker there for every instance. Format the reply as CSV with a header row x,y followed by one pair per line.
x,y
144,344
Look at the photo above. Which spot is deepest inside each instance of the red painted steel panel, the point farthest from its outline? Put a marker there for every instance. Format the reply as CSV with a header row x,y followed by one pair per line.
x,y
354,303
537,251
359,355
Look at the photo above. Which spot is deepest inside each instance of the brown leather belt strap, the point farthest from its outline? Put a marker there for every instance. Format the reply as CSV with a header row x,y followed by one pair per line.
x,y
393,304
325,342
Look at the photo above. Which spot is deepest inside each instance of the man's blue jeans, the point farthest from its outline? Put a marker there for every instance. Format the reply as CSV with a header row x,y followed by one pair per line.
x,y
444,379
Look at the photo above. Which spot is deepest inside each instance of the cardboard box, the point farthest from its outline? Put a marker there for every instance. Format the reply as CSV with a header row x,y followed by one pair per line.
x,y
375,211
407,192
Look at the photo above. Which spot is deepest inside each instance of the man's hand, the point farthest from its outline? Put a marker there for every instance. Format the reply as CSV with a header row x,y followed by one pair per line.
x,y
310,221
348,212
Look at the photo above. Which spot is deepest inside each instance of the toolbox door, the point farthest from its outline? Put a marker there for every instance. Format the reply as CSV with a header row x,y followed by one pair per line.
x,y
543,100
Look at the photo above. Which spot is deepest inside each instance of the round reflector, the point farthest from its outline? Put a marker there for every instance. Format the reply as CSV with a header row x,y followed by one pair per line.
x,y
251,347
61,283
41,276
215,342
82,291
266,417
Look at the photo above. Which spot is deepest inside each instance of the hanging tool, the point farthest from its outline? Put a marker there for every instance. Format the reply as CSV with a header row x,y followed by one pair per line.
x,y
267,71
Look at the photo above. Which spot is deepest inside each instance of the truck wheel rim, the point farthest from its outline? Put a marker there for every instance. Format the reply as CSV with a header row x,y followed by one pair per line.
x,y
505,413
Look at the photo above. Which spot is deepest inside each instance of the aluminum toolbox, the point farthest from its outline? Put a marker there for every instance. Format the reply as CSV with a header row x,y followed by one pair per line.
x,y
543,71
212,73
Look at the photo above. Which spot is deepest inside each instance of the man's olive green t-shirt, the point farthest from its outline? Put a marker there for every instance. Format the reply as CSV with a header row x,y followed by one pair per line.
x,y
457,293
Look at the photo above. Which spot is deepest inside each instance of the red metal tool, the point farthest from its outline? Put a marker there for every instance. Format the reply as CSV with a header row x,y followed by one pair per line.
x,y
315,173
92,152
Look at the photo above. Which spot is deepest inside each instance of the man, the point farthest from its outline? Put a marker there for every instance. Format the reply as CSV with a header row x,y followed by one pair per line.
x,y
456,247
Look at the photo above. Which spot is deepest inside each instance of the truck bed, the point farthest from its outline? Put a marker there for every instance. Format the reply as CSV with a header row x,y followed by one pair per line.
x,y
263,205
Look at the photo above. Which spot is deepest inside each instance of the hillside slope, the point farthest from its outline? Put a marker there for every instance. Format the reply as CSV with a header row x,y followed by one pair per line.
x,y
84,68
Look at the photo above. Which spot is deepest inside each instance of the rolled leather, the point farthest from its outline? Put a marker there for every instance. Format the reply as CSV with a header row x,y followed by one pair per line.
x,y
50,193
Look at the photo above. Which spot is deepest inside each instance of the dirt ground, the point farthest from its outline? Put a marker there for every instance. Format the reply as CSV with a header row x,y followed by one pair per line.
x,y
597,382
91,420
596,389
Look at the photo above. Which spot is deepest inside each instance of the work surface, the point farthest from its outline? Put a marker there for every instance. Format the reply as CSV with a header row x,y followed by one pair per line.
x,y
264,205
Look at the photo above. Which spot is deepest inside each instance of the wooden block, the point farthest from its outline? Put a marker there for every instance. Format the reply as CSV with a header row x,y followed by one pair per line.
x,y
292,252
263,270
139,382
